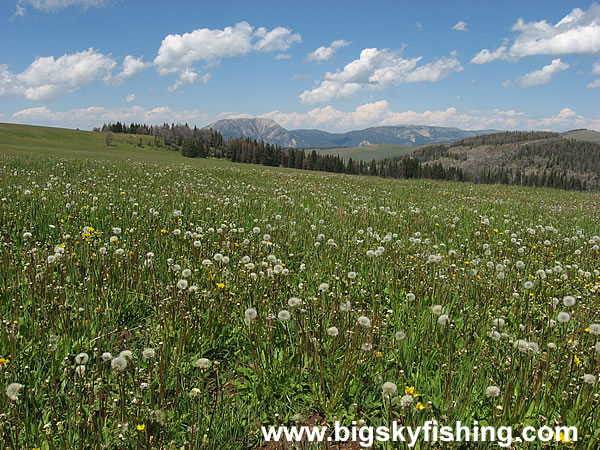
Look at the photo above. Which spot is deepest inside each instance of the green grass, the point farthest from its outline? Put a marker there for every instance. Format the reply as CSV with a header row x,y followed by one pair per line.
x,y
47,141
369,153
95,251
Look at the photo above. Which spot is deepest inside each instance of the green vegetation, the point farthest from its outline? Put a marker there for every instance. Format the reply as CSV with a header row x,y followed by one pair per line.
x,y
367,154
187,302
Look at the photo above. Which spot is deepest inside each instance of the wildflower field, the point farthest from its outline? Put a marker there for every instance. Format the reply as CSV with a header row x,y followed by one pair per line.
x,y
148,305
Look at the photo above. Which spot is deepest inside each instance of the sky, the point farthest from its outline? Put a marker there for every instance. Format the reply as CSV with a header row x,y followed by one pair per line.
x,y
331,65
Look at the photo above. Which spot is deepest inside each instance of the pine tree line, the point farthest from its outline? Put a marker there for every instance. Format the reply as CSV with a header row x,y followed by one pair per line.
x,y
550,162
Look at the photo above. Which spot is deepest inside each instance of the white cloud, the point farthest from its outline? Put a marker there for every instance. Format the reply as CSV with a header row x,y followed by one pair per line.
x,y
47,78
543,75
54,5
131,67
130,98
188,76
380,114
460,26
566,119
277,40
326,53
594,84
179,53
95,116
328,118
378,69
281,56
485,56
576,33
596,68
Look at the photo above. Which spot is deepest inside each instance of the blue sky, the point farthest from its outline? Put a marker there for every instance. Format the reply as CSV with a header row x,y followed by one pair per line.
x,y
332,65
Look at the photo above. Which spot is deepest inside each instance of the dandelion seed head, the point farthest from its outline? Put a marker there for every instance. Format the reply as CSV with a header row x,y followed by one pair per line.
x,y
148,353
284,315
364,321
333,331
569,300
492,391
12,390
389,388
563,317
589,378
82,358
119,363
437,309
203,363
443,320
399,335
126,354
595,329
406,401
294,301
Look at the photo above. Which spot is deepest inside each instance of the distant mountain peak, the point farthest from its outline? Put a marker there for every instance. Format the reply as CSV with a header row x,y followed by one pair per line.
x,y
268,130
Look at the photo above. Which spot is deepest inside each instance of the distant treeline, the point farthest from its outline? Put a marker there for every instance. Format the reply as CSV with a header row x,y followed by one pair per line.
x,y
205,143
550,162
503,138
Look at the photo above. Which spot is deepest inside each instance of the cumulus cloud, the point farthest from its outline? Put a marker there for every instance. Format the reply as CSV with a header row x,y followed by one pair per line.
x,y
596,68
594,84
131,67
381,114
130,98
543,75
328,118
95,116
460,26
47,78
485,56
576,33
179,53
54,5
378,69
326,53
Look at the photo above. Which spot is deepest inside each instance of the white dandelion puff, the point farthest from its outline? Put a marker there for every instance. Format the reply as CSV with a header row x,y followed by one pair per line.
x,y
148,353
12,390
119,363
563,317
364,321
492,391
82,359
283,315
443,320
203,363
333,331
389,388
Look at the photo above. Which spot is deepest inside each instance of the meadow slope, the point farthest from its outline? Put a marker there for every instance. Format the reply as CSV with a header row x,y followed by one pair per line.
x,y
171,302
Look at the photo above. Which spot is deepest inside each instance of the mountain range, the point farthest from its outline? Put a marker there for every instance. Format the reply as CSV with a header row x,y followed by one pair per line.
x,y
271,132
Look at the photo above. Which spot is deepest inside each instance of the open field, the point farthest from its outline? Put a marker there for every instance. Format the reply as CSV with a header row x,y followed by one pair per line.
x,y
369,153
148,300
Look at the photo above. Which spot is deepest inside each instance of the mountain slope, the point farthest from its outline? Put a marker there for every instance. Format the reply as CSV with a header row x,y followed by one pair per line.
x,y
529,158
269,131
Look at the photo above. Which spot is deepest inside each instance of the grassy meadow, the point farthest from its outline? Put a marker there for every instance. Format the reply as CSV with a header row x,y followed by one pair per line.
x,y
152,301
368,153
